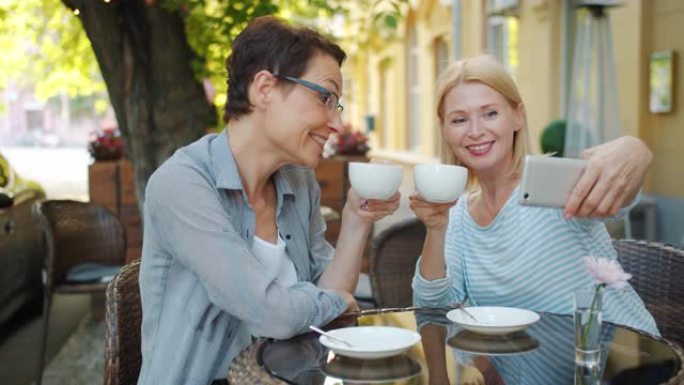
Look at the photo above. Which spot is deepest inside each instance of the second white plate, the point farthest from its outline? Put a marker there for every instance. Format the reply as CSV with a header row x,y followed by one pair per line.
x,y
493,320
370,341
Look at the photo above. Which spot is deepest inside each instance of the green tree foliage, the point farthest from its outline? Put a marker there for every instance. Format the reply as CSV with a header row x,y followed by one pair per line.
x,y
211,25
154,54
374,22
43,45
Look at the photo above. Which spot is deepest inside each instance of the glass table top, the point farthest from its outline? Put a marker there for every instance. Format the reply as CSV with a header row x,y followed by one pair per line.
x,y
447,354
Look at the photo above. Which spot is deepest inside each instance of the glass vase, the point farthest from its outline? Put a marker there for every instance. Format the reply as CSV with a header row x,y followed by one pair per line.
x,y
588,318
587,375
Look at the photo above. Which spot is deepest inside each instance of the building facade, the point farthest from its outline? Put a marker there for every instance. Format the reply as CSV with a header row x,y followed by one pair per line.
x,y
392,82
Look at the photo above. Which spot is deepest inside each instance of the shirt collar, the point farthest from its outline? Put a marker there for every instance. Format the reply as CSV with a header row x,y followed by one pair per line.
x,y
226,171
223,162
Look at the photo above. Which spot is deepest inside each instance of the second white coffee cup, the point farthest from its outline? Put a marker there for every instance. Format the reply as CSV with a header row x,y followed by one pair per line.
x,y
440,182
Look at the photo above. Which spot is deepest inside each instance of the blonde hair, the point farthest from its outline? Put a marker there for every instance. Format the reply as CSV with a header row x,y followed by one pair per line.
x,y
487,70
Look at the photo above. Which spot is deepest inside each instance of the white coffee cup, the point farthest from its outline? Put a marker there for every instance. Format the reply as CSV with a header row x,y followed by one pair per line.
x,y
375,180
440,182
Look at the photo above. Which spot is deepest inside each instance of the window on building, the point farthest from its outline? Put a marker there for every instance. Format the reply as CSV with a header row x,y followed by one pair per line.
x,y
502,32
441,50
501,6
413,134
388,124
441,56
35,115
569,16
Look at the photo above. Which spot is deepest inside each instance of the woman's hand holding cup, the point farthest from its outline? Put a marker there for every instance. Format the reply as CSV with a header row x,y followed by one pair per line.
x,y
375,189
370,210
438,187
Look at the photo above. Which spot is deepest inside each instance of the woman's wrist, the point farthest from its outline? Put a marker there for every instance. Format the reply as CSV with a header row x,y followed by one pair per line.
x,y
436,232
352,218
432,262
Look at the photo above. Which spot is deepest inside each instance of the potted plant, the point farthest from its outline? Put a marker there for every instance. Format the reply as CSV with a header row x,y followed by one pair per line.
x,y
553,138
347,142
107,145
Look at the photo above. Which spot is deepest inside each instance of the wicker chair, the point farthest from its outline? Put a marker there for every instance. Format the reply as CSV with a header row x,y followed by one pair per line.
x,y
392,262
657,272
123,357
78,235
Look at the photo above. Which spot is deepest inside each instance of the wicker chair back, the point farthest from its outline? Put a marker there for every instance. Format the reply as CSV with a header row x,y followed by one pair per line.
x,y
392,263
75,233
123,357
658,277
78,232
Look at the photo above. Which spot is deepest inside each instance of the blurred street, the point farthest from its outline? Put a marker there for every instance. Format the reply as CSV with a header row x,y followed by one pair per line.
x,y
62,171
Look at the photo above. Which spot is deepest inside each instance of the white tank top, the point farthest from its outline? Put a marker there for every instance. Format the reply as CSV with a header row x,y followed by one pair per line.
x,y
278,263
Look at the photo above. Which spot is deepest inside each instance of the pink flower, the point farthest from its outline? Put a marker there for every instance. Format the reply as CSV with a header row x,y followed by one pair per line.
x,y
606,272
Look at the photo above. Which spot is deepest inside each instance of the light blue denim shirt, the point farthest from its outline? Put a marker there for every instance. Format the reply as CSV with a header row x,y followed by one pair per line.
x,y
199,280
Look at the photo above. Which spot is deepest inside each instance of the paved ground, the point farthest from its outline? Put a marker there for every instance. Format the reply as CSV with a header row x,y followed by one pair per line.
x,y
63,172
81,359
69,342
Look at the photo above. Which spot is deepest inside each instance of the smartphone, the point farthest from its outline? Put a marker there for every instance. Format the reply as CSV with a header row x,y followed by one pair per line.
x,y
548,181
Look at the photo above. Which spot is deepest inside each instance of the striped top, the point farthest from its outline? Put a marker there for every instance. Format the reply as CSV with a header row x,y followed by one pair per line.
x,y
528,257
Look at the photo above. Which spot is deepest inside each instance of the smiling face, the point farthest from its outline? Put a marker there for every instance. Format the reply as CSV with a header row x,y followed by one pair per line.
x,y
298,122
479,126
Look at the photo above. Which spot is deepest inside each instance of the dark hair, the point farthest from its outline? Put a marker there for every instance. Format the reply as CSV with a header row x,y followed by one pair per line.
x,y
269,44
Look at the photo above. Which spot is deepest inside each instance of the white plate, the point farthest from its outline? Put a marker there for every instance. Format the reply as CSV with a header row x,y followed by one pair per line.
x,y
370,341
493,319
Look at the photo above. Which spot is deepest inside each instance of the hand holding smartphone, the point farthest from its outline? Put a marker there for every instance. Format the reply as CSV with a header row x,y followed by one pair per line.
x,y
548,181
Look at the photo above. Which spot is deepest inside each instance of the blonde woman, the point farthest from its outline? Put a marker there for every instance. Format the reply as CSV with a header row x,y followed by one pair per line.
x,y
488,248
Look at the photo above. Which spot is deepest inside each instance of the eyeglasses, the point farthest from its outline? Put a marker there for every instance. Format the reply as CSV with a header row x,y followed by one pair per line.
x,y
329,98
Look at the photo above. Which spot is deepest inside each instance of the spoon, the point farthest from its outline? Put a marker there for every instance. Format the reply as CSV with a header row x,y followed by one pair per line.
x,y
463,308
317,330
469,314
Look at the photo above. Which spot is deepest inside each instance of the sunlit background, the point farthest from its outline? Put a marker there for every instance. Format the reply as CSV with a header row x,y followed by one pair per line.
x,y
54,96
613,67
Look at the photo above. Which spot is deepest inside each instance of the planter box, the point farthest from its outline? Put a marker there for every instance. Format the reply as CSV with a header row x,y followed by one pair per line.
x,y
111,184
333,177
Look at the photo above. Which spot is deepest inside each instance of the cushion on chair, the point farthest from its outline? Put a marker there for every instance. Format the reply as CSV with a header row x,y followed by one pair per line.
x,y
90,272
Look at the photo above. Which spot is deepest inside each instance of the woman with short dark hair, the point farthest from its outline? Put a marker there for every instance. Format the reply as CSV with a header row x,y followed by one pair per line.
x,y
234,243
281,49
